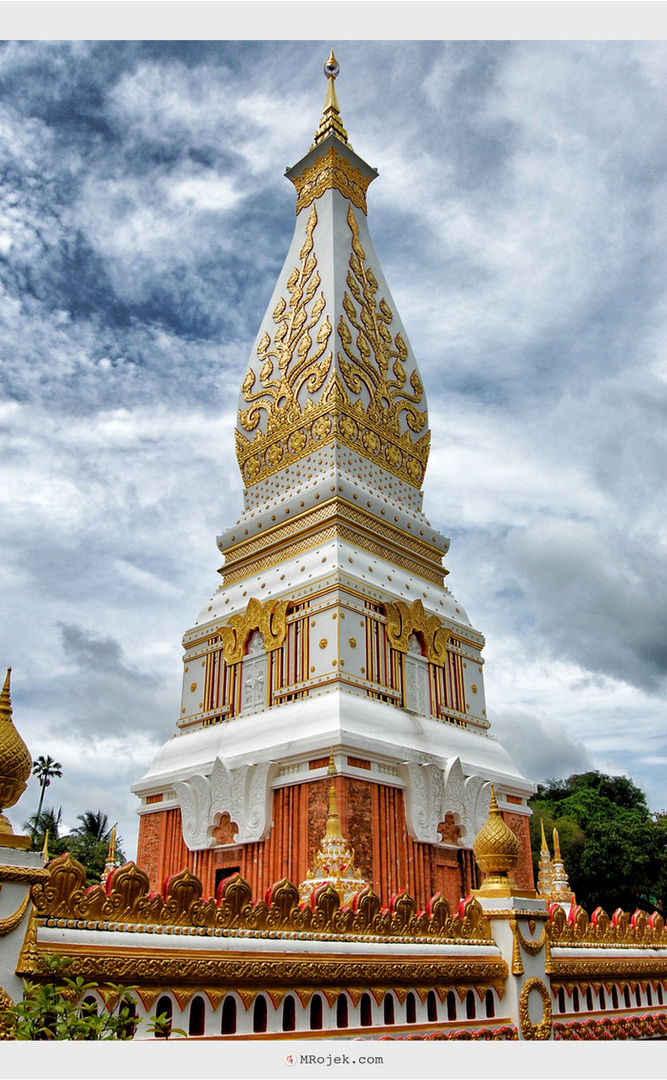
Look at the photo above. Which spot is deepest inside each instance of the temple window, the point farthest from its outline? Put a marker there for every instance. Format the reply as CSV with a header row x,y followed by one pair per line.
x,y
561,1000
416,689
259,1015
471,1010
451,1005
253,675
365,1012
341,1011
197,1016
389,1009
490,1004
431,1007
316,1013
575,1000
228,1019
165,1008
289,1014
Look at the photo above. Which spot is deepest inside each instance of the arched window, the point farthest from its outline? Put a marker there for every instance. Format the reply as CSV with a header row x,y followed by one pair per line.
x,y
253,675
603,1000
365,1011
289,1014
638,996
389,1009
197,1016
649,996
561,1000
575,999
410,1009
471,1010
228,1021
431,1007
166,1009
316,1013
490,1004
259,1014
660,1001
341,1011
416,691
90,1006
589,999
451,1005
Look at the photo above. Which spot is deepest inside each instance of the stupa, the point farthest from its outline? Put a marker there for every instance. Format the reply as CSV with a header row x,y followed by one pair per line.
x,y
333,626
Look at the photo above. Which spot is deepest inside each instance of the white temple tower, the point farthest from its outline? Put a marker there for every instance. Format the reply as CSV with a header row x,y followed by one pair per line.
x,y
332,627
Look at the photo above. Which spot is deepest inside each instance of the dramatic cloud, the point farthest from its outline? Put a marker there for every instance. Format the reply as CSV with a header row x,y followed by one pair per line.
x,y
519,218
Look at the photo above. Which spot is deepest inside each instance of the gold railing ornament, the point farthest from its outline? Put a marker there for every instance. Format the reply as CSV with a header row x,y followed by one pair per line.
x,y
15,766
496,851
126,899
403,620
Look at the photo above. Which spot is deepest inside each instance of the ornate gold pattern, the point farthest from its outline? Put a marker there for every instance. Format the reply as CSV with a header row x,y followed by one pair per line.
x,y
10,922
294,430
23,875
331,170
15,765
270,618
614,1027
639,929
496,850
127,900
531,947
6,1020
403,620
529,1030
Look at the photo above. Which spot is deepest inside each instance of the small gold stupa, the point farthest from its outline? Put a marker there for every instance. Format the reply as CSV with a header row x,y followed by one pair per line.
x,y
15,766
496,850
334,862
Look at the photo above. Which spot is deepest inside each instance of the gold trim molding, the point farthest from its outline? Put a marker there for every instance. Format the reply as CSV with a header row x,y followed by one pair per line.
x,y
529,1030
331,171
403,620
269,618
639,929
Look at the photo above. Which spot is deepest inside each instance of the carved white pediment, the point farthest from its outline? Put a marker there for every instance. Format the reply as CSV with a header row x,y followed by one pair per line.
x,y
244,794
432,792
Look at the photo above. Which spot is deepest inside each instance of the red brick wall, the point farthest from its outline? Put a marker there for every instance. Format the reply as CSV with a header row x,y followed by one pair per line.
x,y
523,875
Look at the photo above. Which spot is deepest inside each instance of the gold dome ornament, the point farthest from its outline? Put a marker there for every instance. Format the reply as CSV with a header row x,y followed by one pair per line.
x,y
15,766
496,851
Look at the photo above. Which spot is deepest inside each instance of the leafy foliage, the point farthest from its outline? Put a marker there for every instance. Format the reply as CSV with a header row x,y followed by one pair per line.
x,y
54,1009
45,769
614,850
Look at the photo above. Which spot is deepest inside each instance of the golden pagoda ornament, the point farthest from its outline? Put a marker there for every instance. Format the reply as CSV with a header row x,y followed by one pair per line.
x,y
560,893
546,868
496,850
334,862
15,766
110,864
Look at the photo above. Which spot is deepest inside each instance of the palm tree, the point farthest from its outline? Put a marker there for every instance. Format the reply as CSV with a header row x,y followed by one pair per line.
x,y
50,820
94,826
45,768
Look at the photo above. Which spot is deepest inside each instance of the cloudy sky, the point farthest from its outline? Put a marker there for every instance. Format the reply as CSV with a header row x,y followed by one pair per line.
x,y
519,218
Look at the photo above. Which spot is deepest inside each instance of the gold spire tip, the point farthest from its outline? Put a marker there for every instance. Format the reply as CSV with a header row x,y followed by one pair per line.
x,y
331,68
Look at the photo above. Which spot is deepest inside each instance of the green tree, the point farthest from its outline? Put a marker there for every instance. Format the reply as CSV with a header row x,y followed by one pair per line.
x,y
49,821
89,844
614,850
45,768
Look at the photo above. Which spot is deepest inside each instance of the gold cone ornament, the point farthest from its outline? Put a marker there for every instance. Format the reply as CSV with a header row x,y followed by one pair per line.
x,y
15,766
496,850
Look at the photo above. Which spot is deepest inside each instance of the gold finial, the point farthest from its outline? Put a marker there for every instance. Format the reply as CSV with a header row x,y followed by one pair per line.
x,y
556,845
15,765
110,864
331,123
333,821
544,850
496,850
45,849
